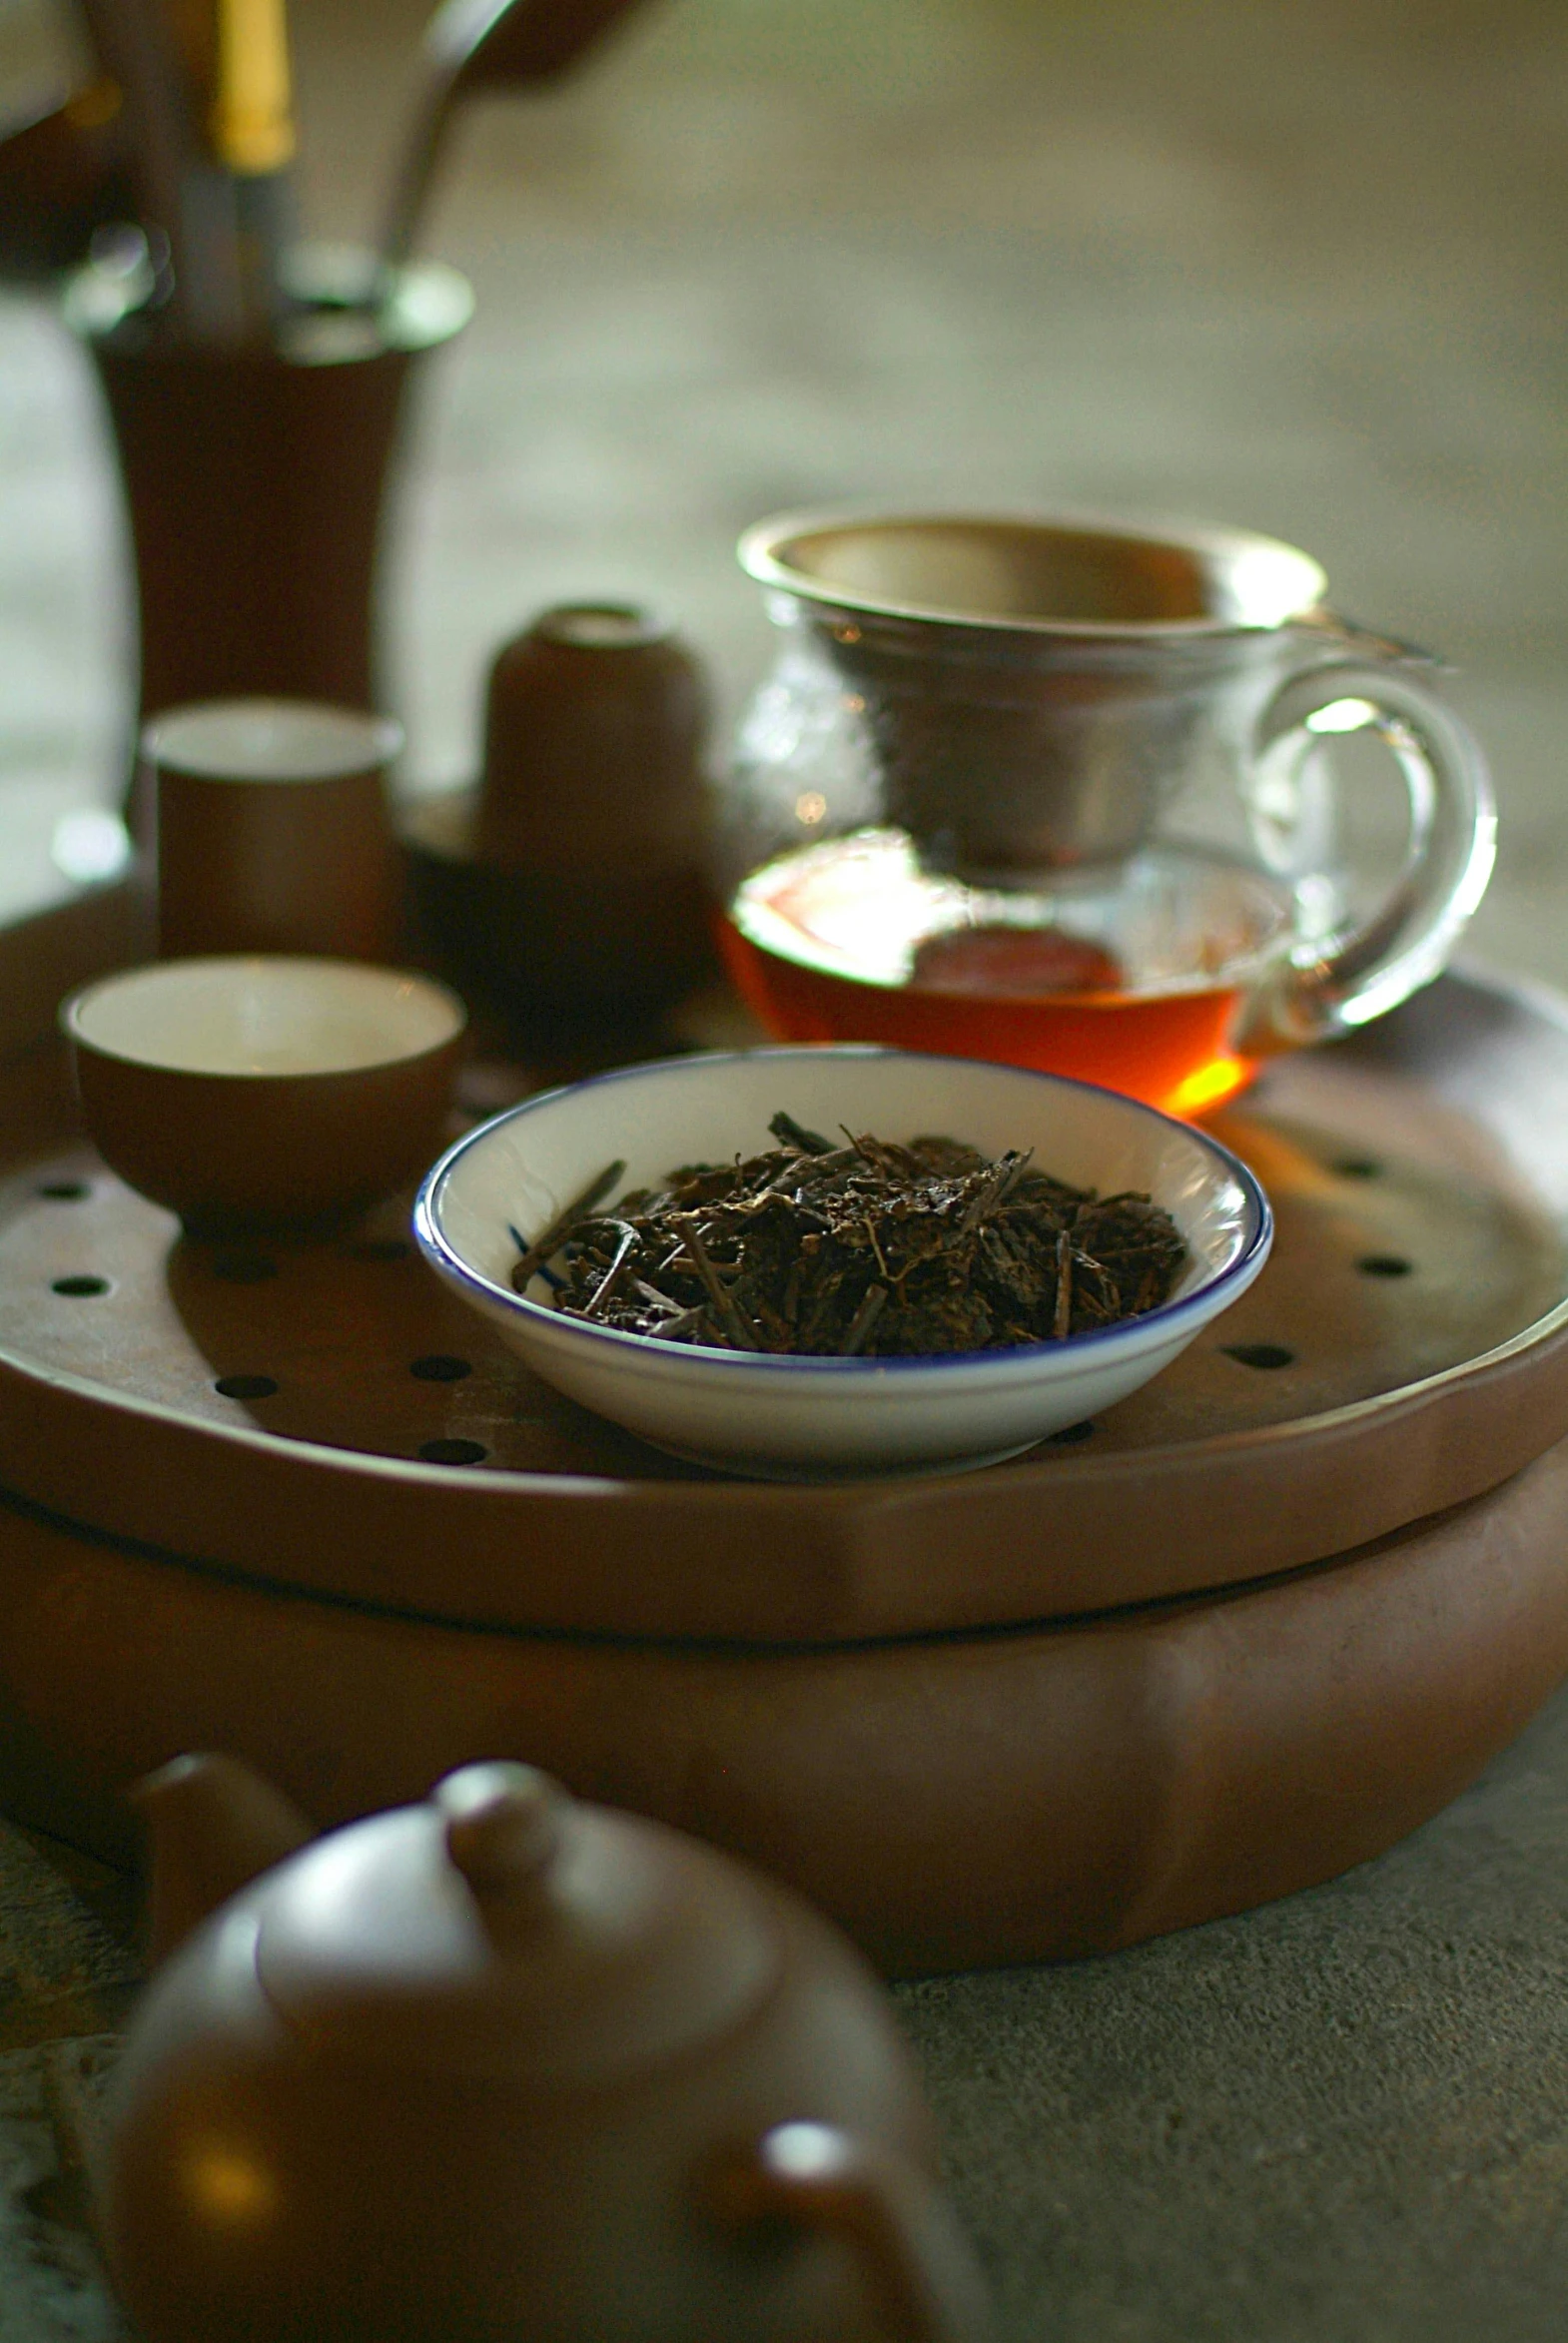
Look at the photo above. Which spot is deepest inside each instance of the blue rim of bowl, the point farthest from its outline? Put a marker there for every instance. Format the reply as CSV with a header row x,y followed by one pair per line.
x,y
1258,1226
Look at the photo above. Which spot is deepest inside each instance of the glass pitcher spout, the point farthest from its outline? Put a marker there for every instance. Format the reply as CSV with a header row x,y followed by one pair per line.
x,y
1347,638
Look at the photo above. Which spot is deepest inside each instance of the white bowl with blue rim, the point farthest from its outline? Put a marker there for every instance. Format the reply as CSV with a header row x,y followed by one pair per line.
x,y
800,1418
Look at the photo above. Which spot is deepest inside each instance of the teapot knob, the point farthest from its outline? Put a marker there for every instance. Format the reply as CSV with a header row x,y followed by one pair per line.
x,y
502,1825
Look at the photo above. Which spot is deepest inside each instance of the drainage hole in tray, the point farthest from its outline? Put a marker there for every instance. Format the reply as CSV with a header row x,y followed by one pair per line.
x,y
77,1288
1384,1265
453,1452
438,1367
243,1268
1260,1354
245,1386
65,1192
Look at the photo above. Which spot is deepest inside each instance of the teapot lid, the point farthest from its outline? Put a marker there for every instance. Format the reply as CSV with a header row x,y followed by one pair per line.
x,y
503,1930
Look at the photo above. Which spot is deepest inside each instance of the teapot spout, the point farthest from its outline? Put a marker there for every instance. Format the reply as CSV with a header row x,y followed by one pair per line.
x,y
214,1827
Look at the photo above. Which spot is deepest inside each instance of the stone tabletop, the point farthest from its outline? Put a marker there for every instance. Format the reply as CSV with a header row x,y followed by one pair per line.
x,y
1340,2120
67,1978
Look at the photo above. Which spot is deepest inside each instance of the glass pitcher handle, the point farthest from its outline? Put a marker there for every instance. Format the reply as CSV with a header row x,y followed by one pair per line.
x,y
1343,981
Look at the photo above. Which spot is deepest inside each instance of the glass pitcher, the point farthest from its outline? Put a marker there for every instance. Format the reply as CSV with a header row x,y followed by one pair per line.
x,y
1056,792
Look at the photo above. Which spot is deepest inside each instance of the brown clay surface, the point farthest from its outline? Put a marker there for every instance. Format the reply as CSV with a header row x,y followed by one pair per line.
x,y
953,1801
1418,1289
337,1327
254,488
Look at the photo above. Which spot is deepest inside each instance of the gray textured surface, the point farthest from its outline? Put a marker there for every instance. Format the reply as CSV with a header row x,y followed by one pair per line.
x,y
51,2283
1298,263
1342,2119
65,1978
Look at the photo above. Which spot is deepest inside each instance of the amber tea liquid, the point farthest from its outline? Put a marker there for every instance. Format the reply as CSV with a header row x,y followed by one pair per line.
x,y
1138,984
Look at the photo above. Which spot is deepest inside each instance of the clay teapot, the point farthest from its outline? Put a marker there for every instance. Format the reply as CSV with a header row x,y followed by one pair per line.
x,y
508,2065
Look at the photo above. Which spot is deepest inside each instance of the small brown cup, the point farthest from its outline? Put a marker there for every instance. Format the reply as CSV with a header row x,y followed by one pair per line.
x,y
272,829
264,1095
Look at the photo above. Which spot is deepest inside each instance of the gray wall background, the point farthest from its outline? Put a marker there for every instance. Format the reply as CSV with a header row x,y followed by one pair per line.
x,y
1297,263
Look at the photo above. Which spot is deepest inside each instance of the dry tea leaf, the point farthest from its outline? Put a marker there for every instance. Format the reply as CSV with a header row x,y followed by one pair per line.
x,y
870,1248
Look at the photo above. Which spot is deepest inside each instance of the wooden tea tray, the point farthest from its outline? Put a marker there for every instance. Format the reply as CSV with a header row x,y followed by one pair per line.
x,y
953,1801
331,1420
354,1621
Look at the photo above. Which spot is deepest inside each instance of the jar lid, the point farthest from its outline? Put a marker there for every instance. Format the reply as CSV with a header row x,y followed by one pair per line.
x,y
601,626
502,1929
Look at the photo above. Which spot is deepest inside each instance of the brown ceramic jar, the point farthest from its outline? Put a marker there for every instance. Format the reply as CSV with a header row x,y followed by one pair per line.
x,y
593,729
576,892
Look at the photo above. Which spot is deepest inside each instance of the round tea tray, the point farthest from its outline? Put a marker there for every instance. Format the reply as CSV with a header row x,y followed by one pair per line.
x,y
953,1801
328,1419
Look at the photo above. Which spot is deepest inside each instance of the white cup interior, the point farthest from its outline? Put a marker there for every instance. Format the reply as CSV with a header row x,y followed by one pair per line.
x,y
265,1017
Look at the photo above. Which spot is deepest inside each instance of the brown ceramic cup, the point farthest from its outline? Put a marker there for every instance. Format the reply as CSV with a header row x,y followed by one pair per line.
x,y
272,829
264,1094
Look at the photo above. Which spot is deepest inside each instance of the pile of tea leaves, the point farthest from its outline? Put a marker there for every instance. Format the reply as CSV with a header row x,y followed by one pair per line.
x,y
869,1248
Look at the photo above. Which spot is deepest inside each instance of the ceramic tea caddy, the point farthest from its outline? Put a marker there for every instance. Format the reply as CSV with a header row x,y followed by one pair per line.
x,y
567,891
1058,791
506,2065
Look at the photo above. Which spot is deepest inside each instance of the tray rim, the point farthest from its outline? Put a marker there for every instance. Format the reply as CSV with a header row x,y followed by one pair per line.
x,y
827,1497
972,1801
587,1554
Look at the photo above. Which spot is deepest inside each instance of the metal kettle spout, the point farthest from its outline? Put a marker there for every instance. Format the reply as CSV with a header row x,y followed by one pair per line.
x,y
214,1825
